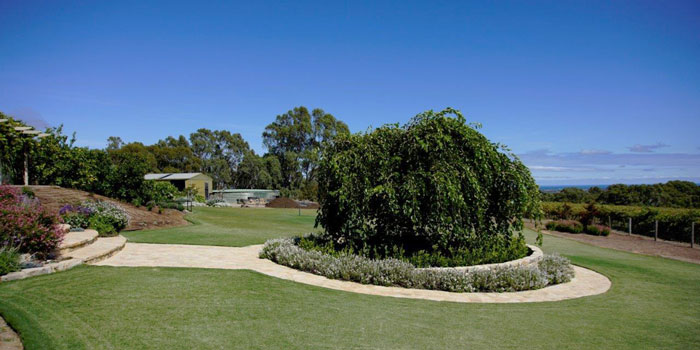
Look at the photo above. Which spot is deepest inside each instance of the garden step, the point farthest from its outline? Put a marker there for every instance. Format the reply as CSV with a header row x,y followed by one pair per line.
x,y
76,240
102,248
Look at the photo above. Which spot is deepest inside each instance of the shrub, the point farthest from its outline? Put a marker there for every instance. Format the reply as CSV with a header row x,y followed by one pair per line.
x,y
9,260
456,257
597,230
556,269
106,213
171,205
674,223
75,215
160,191
212,202
393,272
102,225
435,186
570,226
25,225
28,192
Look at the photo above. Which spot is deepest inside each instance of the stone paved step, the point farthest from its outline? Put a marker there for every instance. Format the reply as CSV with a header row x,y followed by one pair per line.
x,y
102,248
75,240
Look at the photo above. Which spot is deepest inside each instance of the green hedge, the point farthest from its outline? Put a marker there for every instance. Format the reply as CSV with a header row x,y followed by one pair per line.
x,y
674,223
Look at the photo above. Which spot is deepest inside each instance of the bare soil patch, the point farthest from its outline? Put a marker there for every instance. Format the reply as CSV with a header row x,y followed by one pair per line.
x,y
635,243
283,202
54,197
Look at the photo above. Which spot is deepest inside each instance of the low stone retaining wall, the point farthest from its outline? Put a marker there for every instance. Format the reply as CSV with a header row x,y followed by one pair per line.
x,y
43,270
531,259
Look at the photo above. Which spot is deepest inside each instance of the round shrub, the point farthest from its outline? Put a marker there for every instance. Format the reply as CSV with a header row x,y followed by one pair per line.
x,y
571,226
106,214
597,230
434,187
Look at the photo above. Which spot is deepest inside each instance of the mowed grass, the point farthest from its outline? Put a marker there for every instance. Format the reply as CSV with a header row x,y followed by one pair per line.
x,y
235,227
654,303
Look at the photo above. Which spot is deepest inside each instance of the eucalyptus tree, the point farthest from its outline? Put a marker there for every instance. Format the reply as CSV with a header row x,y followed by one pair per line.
x,y
221,152
296,138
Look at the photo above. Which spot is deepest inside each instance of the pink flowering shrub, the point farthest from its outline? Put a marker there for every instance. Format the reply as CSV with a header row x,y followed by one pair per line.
x,y
25,225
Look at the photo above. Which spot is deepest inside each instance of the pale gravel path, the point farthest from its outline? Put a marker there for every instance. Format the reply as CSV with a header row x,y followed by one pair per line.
x,y
585,283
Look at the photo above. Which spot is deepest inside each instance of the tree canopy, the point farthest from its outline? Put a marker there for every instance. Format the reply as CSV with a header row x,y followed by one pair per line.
x,y
433,185
672,194
295,138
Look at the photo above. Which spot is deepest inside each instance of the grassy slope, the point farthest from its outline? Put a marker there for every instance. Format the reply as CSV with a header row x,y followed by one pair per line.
x,y
236,227
654,303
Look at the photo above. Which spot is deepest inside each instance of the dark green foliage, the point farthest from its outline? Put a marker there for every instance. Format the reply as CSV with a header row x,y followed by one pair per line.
x,y
674,223
435,185
9,260
571,226
597,230
295,138
102,225
673,194
28,192
160,191
423,258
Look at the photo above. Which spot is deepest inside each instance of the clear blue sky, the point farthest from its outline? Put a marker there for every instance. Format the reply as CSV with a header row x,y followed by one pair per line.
x,y
586,91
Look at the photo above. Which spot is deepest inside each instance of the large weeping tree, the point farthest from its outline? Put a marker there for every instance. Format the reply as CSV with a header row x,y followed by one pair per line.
x,y
433,186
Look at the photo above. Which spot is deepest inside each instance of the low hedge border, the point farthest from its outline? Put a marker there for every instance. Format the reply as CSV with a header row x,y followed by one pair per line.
x,y
551,269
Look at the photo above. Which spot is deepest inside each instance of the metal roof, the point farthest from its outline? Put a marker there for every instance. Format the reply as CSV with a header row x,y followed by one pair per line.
x,y
171,176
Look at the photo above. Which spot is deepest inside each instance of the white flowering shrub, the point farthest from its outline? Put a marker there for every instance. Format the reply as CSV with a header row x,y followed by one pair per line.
x,y
557,269
392,272
106,217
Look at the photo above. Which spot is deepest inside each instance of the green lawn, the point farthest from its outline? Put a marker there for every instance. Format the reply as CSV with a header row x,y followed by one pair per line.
x,y
654,303
236,227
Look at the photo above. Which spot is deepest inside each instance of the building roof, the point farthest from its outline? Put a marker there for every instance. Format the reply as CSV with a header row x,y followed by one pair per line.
x,y
172,176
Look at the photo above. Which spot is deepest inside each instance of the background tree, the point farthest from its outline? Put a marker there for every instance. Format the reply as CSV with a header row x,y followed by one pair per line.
x,y
220,152
175,155
114,143
296,138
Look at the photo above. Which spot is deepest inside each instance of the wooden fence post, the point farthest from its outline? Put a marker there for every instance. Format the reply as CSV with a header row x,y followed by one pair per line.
x,y
629,227
609,222
656,230
692,234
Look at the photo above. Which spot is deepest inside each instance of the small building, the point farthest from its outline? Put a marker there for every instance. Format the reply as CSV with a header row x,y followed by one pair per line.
x,y
239,195
202,182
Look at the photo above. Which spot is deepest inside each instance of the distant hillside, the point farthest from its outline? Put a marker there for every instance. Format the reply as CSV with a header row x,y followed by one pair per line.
x,y
54,197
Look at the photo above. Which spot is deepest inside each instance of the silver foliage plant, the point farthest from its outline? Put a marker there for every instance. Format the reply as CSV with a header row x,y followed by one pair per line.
x,y
552,269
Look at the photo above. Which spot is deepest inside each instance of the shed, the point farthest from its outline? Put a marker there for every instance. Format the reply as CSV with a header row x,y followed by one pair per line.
x,y
202,182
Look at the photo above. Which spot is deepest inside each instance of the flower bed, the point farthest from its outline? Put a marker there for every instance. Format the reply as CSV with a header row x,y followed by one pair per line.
x,y
106,218
551,269
25,225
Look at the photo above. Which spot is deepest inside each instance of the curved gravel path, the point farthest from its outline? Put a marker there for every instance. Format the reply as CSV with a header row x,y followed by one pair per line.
x,y
585,283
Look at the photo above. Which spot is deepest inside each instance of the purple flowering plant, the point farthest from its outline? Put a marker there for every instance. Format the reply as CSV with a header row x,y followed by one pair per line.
x,y
26,225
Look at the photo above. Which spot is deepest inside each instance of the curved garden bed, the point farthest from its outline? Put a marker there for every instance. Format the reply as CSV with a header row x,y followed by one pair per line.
x,y
541,270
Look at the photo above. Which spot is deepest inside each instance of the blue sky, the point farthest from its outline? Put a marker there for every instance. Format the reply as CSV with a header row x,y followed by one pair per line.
x,y
586,92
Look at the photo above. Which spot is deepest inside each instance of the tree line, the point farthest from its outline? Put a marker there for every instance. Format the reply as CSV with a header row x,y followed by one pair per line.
x,y
672,194
293,142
